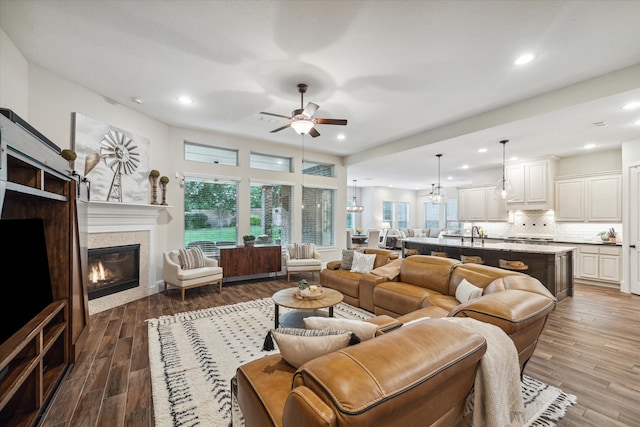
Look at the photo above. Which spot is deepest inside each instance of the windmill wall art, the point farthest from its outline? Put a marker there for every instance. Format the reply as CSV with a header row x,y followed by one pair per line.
x,y
115,161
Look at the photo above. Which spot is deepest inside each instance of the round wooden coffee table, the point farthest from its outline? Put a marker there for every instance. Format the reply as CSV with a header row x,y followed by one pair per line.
x,y
303,307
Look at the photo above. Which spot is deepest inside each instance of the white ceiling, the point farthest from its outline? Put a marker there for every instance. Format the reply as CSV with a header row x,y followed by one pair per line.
x,y
413,78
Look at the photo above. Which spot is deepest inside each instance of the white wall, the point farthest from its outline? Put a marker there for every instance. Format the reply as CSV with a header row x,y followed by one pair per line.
x,y
13,77
600,161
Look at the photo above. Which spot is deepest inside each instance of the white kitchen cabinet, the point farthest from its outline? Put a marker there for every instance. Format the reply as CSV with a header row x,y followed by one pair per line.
x,y
600,263
589,198
496,209
532,184
570,195
477,204
604,198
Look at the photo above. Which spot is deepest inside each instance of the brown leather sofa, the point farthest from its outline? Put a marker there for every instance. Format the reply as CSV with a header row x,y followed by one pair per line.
x,y
418,375
357,288
426,287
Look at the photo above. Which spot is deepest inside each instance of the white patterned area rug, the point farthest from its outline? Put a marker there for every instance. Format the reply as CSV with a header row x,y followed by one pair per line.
x,y
194,355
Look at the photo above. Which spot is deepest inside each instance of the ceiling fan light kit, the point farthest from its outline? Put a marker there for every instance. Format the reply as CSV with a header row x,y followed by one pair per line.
x,y
438,195
302,120
504,188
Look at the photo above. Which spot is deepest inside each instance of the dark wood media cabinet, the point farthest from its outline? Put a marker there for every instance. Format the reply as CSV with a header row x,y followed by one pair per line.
x,y
250,260
35,182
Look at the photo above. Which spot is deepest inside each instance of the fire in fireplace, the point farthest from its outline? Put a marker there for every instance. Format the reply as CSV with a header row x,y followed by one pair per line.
x,y
113,269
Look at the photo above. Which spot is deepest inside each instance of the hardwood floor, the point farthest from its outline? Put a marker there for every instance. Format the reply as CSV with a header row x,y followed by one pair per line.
x,y
589,348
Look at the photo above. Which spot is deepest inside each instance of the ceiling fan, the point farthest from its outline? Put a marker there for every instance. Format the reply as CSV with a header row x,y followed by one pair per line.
x,y
302,120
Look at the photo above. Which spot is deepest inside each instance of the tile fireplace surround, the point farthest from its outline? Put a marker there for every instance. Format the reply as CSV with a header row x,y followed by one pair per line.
x,y
116,224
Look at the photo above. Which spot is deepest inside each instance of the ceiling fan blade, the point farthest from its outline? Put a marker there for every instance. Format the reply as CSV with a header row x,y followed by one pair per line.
x,y
342,122
276,115
310,109
313,132
280,128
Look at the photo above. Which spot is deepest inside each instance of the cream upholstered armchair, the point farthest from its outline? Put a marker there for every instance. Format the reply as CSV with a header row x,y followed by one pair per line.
x,y
189,268
302,258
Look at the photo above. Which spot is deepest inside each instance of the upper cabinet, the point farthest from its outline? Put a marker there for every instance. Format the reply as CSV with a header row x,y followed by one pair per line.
x,y
532,184
477,204
596,198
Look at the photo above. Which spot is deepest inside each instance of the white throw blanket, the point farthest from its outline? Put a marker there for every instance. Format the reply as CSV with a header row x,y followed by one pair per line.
x,y
497,391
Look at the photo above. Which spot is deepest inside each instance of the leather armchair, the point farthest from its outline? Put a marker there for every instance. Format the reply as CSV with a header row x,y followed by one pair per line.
x,y
417,375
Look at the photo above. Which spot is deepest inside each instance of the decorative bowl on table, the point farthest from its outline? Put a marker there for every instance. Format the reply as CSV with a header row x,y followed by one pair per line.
x,y
310,292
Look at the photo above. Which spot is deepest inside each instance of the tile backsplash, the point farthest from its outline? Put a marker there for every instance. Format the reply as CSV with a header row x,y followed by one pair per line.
x,y
542,224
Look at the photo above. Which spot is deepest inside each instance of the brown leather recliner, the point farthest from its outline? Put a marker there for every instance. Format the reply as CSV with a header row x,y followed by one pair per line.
x,y
419,374
426,287
357,288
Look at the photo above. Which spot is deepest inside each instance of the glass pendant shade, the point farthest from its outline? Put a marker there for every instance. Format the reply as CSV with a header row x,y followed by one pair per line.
x,y
438,195
355,207
504,189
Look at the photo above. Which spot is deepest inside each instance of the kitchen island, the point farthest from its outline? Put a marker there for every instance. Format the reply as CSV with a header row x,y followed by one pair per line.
x,y
552,265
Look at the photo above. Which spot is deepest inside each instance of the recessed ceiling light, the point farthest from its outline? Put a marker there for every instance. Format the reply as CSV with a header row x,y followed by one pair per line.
x,y
589,146
449,177
631,105
482,150
341,136
185,100
465,166
513,158
136,100
524,59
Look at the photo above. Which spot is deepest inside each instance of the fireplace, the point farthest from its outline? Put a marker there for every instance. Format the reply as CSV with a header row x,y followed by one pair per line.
x,y
113,269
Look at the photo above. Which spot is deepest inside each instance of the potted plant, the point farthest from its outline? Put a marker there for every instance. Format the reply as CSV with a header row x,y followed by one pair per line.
x,y
249,239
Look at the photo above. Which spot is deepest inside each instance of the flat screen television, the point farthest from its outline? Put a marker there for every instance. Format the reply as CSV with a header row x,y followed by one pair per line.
x,y
24,273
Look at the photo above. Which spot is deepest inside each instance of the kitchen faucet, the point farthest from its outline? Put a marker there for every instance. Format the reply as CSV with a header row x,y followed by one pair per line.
x,y
474,228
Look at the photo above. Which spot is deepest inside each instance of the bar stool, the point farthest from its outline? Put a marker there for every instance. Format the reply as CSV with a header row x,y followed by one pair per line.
x,y
512,265
440,254
471,259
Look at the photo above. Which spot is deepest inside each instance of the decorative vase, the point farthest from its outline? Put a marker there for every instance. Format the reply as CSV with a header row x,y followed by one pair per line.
x,y
154,190
164,193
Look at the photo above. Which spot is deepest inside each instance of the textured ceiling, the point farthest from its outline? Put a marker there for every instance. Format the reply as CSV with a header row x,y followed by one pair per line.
x,y
413,78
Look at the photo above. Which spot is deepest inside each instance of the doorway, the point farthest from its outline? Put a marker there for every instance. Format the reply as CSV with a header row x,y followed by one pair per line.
x,y
634,229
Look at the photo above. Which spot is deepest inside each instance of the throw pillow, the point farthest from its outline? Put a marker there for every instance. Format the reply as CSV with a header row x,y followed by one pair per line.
x,y
364,330
434,232
347,259
298,346
191,258
362,263
390,270
467,291
303,250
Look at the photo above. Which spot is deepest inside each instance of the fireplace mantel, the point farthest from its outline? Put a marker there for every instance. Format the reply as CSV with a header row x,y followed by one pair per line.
x,y
115,213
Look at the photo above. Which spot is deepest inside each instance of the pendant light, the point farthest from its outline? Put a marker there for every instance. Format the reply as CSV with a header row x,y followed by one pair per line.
x,y
504,189
355,207
438,195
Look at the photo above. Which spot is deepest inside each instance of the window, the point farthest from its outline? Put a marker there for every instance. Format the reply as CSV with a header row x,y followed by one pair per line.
x,y
318,216
209,154
452,222
431,215
210,207
272,163
271,213
318,169
403,215
351,217
387,213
